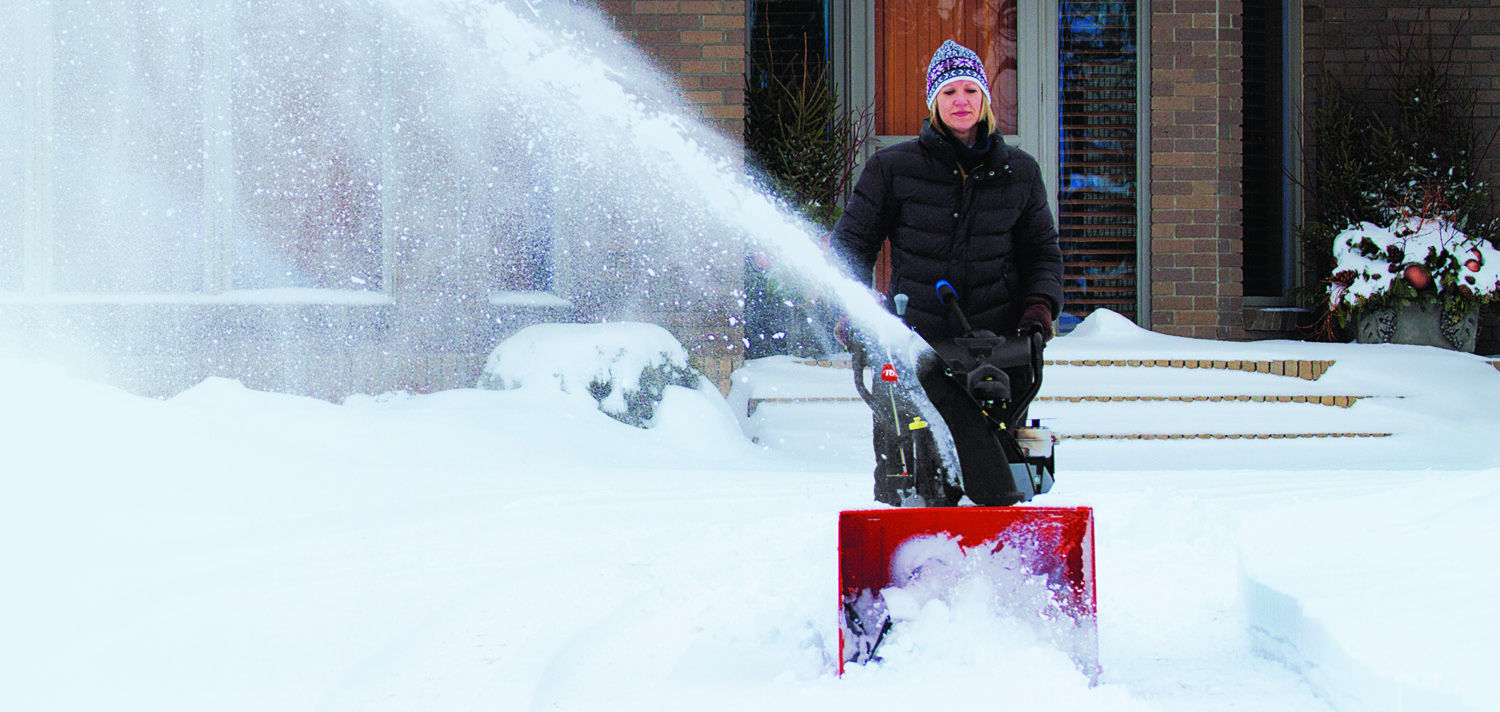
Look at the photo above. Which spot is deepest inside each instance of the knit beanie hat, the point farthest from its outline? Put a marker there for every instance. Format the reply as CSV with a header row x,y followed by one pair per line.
x,y
954,62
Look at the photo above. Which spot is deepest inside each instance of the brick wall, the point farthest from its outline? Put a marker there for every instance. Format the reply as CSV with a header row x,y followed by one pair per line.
x,y
1196,226
1355,40
700,44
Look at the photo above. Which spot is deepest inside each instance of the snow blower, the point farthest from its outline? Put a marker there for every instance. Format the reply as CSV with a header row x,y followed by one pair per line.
x,y
981,384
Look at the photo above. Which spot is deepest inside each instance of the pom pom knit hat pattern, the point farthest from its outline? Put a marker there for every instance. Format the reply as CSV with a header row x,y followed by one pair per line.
x,y
954,62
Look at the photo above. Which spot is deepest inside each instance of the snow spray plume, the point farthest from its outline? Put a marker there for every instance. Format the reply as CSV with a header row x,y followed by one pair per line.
x,y
249,188
632,167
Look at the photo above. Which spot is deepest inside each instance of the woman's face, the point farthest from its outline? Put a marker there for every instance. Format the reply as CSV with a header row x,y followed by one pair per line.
x,y
959,105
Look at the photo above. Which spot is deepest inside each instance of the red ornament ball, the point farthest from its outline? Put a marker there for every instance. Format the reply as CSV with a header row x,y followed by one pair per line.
x,y
1418,275
1475,261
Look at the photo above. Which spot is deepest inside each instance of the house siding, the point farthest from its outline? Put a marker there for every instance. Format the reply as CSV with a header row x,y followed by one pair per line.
x,y
701,45
1196,225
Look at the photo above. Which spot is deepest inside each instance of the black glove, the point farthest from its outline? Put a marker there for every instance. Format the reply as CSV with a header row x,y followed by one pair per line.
x,y
843,333
1037,316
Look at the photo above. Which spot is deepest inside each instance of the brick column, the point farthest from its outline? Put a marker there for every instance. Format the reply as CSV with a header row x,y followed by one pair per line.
x,y
699,44
1197,285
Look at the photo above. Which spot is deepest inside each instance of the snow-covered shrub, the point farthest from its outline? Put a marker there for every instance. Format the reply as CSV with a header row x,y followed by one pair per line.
x,y
1401,213
624,366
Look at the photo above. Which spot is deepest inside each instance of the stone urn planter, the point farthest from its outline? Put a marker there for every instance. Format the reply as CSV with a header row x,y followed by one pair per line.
x,y
1420,324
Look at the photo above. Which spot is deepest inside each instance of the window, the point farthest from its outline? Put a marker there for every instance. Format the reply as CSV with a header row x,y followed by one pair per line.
x,y
218,146
1098,190
125,162
307,148
786,33
1267,265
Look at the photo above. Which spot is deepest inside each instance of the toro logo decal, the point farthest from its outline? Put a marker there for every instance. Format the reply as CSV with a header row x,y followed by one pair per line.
x,y
888,373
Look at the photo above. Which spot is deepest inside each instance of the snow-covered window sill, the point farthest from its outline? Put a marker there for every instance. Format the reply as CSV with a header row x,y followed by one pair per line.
x,y
539,300
282,296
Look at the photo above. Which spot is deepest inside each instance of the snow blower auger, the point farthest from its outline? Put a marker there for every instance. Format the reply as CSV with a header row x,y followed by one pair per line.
x,y
981,384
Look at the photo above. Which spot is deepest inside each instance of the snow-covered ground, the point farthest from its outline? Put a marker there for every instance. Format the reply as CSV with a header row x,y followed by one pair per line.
x,y
519,550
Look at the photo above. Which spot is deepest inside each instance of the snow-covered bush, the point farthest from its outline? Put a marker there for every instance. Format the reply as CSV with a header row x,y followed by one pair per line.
x,y
1400,213
624,366
1413,260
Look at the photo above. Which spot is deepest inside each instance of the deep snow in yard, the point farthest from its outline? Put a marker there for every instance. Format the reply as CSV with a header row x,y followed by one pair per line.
x,y
474,549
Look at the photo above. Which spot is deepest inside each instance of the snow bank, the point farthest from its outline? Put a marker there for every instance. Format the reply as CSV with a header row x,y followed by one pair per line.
x,y
1388,604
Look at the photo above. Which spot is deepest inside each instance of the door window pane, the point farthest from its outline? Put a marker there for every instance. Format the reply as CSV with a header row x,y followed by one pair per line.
x,y
907,32
1097,195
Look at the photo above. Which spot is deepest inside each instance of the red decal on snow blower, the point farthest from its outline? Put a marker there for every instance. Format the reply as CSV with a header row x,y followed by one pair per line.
x,y
888,373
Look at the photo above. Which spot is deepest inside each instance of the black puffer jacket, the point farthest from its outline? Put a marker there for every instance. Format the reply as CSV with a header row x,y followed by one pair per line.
x,y
990,232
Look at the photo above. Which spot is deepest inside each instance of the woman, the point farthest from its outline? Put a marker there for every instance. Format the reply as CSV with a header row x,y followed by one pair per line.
x,y
959,204
956,204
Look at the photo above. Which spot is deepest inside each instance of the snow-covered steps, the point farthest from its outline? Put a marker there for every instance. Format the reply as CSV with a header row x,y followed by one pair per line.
x,y
1135,399
1308,369
1328,400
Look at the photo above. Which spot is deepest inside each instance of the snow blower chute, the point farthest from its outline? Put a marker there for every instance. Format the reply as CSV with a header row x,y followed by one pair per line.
x,y
981,384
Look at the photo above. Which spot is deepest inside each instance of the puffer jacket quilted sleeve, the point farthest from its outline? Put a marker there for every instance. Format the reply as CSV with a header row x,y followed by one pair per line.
x,y
989,232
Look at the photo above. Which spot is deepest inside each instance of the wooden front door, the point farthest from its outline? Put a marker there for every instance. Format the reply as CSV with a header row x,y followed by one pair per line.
x,y
906,34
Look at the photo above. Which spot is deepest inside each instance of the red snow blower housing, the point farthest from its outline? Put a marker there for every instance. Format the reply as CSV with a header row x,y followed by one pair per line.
x,y
981,385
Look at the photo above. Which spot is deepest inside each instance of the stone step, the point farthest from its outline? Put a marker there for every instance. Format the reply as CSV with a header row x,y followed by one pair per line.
x,y
1305,370
1328,400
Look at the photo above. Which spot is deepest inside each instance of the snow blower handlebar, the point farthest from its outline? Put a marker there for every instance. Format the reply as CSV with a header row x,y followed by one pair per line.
x,y
949,298
998,351
982,355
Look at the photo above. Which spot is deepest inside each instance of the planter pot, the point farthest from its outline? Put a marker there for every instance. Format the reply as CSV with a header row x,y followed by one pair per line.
x,y
1420,324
